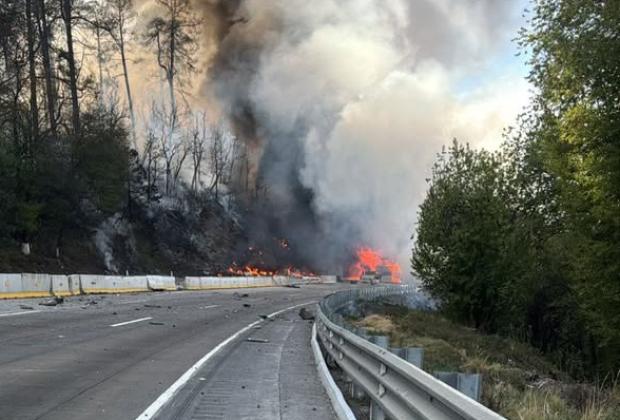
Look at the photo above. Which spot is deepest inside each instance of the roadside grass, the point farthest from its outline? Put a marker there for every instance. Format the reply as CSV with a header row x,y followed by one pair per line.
x,y
518,382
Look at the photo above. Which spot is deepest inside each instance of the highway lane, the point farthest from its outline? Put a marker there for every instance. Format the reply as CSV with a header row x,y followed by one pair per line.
x,y
112,359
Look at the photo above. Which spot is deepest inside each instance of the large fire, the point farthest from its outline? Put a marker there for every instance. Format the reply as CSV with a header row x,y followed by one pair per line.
x,y
251,271
370,260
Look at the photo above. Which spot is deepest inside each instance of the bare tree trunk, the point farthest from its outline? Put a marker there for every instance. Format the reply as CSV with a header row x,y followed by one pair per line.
x,y
99,59
34,108
67,16
50,87
128,88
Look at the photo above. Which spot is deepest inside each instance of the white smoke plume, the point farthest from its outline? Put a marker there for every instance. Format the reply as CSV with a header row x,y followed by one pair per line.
x,y
352,99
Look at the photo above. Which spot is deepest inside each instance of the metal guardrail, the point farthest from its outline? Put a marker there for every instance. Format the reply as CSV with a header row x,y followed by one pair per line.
x,y
402,390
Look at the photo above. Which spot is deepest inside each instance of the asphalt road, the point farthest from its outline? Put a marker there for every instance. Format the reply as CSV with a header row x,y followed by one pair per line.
x,y
111,357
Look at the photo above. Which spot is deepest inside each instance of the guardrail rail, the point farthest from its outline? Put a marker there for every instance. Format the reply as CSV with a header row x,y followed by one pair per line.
x,y
398,389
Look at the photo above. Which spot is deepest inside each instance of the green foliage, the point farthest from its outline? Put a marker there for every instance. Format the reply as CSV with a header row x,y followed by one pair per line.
x,y
66,182
460,235
576,67
102,156
526,241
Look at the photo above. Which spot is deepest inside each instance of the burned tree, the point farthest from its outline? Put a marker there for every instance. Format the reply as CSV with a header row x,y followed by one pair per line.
x,y
197,148
119,16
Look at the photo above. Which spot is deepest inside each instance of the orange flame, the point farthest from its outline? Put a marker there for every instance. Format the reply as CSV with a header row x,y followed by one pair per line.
x,y
369,259
250,271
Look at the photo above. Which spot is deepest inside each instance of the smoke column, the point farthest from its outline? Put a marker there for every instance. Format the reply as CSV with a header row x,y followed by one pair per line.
x,y
345,104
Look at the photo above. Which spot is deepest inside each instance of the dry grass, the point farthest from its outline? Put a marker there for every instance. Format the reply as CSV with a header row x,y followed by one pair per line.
x,y
378,324
519,382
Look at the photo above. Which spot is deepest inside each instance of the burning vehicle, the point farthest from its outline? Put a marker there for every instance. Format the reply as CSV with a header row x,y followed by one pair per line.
x,y
371,267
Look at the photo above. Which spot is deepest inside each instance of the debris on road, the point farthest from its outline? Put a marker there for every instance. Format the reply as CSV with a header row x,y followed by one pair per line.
x,y
147,305
26,307
156,323
267,317
237,295
294,286
257,340
246,305
52,302
306,314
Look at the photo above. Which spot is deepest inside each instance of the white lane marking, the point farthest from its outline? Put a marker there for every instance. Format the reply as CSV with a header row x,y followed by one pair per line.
x,y
210,306
131,322
168,394
19,313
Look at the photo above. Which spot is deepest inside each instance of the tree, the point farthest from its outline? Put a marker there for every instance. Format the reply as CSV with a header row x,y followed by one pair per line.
x,y
575,60
526,242
197,148
119,17
461,226
66,13
173,37
45,35
219,156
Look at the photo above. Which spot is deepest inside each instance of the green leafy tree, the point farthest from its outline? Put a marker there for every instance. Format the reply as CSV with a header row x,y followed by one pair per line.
x,y
462,225
575,50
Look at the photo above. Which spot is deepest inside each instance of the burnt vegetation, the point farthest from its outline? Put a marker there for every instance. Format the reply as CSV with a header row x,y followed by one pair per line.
x,y
85,184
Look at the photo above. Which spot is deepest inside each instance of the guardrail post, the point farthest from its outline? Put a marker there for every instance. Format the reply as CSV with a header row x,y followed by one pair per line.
x,y
355,391
414,355
382,341
376,412
469,384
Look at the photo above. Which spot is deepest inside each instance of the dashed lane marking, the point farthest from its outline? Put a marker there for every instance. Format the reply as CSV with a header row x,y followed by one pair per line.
x,y
19,313
120,324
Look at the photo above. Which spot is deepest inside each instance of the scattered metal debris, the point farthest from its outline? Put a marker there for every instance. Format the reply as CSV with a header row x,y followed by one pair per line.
x,y
156,323
152,306
56,300
246,305
306,314
26,307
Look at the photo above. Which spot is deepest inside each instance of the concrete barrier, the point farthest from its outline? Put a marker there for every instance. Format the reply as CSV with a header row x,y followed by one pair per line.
x,y
161,283
263,281
10,286
228,283
136,283
74,284
282,280
207,283
112,284
329,279
36,285
191,283
211,282
61,285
